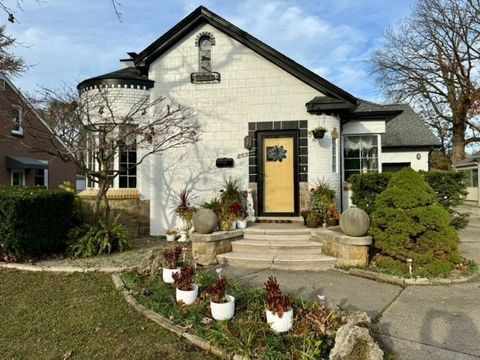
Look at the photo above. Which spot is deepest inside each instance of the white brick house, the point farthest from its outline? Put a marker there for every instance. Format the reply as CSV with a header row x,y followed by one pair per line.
x,y
246,93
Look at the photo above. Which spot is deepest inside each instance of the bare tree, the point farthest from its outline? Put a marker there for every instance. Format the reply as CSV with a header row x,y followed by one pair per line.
x,y
101,126
432,60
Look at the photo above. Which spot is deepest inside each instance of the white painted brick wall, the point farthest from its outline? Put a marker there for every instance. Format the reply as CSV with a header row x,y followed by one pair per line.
x,y
252,89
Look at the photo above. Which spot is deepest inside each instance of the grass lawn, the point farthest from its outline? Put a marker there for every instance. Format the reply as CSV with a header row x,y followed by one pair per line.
x,y
78,316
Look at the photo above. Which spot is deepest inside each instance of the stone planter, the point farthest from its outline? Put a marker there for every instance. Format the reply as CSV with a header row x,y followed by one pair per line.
x,y
223,311
241,224
187,297
183,236
280,324
167,275
171,237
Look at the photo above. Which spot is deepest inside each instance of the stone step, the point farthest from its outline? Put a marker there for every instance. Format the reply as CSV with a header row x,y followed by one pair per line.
x,y
313,262
276,237
271,229
277,246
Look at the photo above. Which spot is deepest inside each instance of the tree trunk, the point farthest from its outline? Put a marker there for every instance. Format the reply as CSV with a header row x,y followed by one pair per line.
x,y
102,212
458,141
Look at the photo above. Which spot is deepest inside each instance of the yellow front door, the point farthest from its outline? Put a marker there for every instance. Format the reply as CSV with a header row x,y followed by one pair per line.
x,y
279,175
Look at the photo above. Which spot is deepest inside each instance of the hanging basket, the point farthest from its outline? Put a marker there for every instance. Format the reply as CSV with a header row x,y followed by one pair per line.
x,y
318,134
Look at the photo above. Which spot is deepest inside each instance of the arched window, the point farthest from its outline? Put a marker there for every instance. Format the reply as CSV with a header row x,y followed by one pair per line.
x,y
205,53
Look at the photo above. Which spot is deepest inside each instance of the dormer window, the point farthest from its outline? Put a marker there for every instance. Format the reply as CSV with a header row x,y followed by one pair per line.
x,y
205,54
205,41
17,120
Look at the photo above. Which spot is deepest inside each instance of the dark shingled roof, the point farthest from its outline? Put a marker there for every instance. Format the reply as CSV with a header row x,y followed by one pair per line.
x,y
474,158
404,130
128,76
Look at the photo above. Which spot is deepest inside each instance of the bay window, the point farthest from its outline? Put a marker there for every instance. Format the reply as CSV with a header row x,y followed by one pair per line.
x,y
360,154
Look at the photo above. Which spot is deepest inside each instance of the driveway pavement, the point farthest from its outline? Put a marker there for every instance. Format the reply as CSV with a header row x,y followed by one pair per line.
x,y
417,323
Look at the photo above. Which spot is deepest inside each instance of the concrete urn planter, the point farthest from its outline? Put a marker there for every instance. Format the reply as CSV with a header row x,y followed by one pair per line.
x,y
205,221
168,273
171,237
223,311
280,324
354,222
187,297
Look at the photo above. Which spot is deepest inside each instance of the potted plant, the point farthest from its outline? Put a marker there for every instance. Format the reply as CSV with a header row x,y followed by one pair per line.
x,y
171,234
318,132
313,220
225,224
332,215
186,290
239,215
185,211
171,263
222,306
279,312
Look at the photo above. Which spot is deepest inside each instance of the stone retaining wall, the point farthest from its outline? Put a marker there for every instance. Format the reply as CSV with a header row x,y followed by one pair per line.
x,y
206,247
134,212
349,250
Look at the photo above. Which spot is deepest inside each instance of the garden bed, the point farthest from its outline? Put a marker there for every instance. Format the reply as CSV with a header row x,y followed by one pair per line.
x,y
247,334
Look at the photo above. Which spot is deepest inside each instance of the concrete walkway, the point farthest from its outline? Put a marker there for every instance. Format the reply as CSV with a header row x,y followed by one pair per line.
x,y
417,323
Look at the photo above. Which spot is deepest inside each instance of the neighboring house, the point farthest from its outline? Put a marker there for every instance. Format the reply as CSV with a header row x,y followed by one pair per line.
x,y
257,108
470,167
27,156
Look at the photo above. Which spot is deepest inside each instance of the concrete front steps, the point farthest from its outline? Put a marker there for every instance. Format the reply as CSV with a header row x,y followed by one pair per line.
x,y
277,246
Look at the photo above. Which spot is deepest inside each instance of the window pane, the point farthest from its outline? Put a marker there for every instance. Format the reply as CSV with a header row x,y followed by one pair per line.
x,y
352,164
475,177
372,152
132,182
122,181
350,173
369,164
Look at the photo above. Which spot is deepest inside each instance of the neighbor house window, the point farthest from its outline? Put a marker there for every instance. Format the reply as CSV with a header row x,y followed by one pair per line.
x,y
40,177
205,54
18,178
17,120
471,177
360,154
91,148
334,155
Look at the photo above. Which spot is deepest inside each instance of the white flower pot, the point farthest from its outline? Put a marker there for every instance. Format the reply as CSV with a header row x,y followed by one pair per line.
x,y
280,324
167,275
234,225
183,236
241,224
187,297
223,311
171,237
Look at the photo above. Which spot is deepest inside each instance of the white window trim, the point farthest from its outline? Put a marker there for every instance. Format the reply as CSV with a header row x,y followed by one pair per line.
x,y
13,171
18,131
379,151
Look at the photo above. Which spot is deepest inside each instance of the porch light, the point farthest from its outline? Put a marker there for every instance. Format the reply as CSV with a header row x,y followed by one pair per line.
x,y
334,133
419,156
247,142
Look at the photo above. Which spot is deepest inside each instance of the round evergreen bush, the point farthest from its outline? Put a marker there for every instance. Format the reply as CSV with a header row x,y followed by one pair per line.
x,y
408,222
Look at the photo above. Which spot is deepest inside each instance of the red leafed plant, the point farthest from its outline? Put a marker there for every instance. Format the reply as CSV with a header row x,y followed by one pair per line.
x,y
276,302
217,290
236,209
172,257
183,279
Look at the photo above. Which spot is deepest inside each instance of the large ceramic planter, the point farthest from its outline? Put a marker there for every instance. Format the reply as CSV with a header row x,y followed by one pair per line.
x,y
167,275
171,237
280,324
187,297
241,224
223,311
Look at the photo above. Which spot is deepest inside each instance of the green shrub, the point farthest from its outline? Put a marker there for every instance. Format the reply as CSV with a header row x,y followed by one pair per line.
x,y
34,222
408,222
366,188
448,187
100,238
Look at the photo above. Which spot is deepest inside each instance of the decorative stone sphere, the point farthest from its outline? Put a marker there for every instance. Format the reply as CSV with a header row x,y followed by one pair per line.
x,y
354,222
204,221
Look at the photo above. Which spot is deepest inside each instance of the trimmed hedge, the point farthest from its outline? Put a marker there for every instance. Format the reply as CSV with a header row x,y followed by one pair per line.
x,y
408,222
34,222
448,187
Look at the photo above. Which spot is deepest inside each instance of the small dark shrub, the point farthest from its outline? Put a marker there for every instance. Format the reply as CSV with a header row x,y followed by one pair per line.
x,y
408,222
172,257
183,279
97,239
34,222
276,302
217,290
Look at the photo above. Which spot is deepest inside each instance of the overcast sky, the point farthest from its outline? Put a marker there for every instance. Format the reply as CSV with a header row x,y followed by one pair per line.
x,y
71,40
